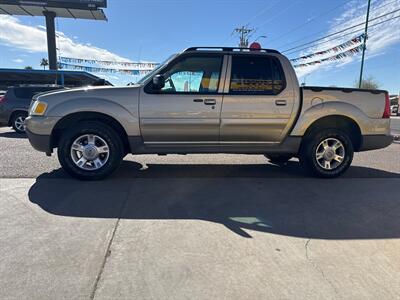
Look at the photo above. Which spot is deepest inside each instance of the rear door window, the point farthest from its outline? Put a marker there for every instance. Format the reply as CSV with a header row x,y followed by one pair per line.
x,y
256,75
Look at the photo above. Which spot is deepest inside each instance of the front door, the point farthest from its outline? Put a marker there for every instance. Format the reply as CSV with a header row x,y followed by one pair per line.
x,y
259,103
187,109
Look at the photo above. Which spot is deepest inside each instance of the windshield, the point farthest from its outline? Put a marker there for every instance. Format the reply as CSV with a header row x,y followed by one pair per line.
x,y
152,73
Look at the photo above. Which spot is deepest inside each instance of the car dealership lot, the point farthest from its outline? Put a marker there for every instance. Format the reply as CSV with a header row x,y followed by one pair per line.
x,y
198,227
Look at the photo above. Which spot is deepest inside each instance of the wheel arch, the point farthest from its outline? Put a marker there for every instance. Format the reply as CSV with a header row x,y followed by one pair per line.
x,y
76,117
15,111
340,122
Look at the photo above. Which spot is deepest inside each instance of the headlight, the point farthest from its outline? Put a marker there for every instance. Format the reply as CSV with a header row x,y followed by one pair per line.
x,y
38,108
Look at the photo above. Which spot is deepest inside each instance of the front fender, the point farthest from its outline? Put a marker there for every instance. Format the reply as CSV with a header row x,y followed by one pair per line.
x,y
129,120
335,108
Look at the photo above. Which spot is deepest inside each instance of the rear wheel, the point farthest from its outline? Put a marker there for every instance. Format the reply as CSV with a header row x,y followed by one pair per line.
x,y
18,122
90,151
327,154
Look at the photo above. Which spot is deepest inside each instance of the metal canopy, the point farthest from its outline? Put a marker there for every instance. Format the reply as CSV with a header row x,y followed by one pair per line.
x,y
85,9
76,9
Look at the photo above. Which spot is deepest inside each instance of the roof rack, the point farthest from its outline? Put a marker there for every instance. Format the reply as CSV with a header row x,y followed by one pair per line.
x,y
230,49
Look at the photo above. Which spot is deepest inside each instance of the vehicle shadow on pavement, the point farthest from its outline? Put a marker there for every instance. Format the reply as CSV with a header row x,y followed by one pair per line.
x,y
13,135
345,208
292,169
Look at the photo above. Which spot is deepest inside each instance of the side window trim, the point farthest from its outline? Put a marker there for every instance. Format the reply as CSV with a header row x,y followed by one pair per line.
x,y
224,74
229,76
227,81
148,90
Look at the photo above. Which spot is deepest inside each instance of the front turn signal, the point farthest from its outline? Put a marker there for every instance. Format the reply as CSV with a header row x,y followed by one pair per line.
x,y
39,108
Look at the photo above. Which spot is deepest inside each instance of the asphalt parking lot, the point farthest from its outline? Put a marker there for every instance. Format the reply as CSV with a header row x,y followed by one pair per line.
x,y
198,227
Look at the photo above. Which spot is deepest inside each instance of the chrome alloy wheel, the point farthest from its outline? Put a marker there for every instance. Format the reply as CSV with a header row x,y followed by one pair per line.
x,y
330,154
90,152
20,123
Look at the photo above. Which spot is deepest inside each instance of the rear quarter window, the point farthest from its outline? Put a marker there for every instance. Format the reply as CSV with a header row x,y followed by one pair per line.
x,y
256,75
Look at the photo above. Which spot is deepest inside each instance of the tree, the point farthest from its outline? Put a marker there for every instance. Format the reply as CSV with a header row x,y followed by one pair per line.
x,y
44,63
369,83
28,68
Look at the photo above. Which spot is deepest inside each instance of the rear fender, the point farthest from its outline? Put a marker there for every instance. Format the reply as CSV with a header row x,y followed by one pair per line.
x,y
335,108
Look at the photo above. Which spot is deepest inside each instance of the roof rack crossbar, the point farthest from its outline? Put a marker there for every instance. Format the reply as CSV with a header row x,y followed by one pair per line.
x,y
230,49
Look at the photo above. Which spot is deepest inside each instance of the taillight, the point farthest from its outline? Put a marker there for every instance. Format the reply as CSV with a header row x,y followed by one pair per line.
x,y
2,99
386,112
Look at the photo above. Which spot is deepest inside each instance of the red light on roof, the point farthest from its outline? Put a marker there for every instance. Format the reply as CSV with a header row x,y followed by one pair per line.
x,y
255,46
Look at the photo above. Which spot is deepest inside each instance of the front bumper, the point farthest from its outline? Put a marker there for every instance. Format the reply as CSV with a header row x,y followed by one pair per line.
x,y
372,142
40,142
4,118
38,130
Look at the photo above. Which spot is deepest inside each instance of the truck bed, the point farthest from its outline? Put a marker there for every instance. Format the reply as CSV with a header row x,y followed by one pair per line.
x,y
370,102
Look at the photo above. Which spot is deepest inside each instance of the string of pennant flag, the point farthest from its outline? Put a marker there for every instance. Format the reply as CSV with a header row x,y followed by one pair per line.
x,y
354,41
62,65
133,65
143,68
339,56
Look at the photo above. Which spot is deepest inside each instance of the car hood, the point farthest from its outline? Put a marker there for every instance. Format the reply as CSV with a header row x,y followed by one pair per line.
x,y
63,102
89,91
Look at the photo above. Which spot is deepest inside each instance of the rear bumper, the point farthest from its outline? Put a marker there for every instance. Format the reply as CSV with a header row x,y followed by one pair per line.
x,y
40,142
4,118
371,142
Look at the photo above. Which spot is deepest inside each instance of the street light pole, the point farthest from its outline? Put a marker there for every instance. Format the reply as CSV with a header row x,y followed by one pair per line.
x,y
365,45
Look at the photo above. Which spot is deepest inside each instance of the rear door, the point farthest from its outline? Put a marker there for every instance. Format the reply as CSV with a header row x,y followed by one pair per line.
x,y
259,100
187,109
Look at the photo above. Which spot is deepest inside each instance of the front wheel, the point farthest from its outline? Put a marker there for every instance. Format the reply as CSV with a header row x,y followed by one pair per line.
x,y
327,154
90,151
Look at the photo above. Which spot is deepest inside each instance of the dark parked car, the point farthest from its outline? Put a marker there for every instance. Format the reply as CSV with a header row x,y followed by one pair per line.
x,y
15,103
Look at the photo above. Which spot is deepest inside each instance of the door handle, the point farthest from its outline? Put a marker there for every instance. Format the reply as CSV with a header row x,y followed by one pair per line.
x,y
198,100
210,101
280,102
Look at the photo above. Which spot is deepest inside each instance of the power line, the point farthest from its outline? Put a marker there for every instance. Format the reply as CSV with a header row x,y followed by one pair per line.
x,y
261,12
340,31
309,21
293,42
278,14
341,36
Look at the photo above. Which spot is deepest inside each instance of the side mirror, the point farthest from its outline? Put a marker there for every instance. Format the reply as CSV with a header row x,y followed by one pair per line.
x,y
158,82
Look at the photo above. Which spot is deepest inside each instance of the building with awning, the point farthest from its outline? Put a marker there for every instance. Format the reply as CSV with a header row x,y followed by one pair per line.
x,y
16,77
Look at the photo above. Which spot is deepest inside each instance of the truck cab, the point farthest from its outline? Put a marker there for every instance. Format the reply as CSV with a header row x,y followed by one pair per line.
x,y
226,98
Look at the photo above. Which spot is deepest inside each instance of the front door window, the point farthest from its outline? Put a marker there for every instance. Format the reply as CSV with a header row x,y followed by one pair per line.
x,y
193,75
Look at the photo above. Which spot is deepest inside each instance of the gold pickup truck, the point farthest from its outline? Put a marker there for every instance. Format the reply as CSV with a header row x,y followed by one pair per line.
x,y
211,100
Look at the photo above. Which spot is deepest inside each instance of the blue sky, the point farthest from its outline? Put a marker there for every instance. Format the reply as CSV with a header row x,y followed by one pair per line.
x,y
151,30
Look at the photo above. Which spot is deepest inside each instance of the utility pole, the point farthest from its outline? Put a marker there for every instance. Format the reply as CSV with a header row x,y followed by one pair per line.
x,y
365,44
244,34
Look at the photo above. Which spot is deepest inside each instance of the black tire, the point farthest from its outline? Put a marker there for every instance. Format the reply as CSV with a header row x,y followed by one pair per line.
x,y
114,143
16,121
278,159
308,153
